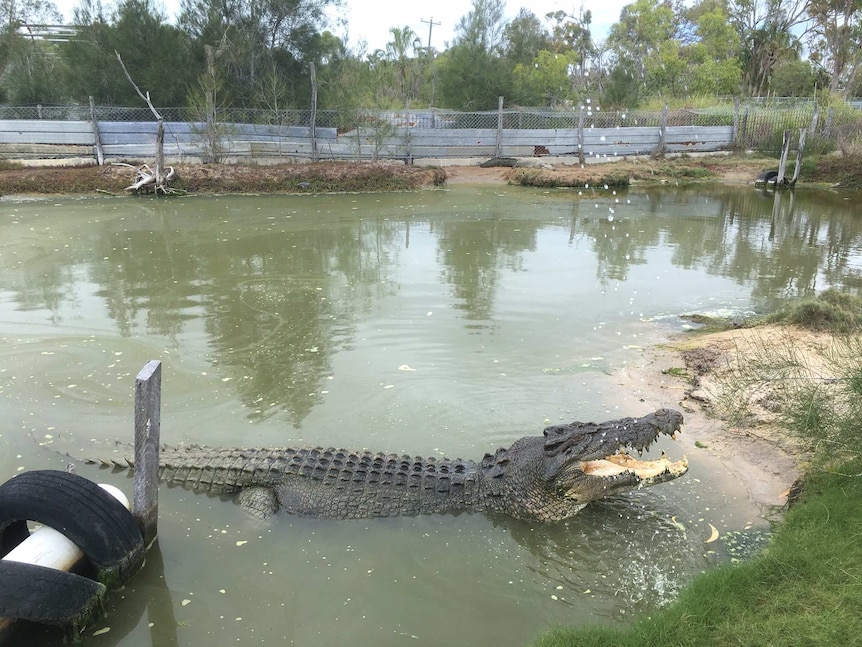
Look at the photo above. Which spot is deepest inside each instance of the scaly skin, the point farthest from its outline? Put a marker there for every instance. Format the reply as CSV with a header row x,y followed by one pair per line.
x,y
540,478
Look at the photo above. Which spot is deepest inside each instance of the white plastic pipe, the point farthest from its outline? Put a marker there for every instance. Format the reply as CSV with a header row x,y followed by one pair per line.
x,y
48,547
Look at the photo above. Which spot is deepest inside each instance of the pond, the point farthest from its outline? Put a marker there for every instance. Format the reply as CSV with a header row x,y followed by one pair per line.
x,y
442,322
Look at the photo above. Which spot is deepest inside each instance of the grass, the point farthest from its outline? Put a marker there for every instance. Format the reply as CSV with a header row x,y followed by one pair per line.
x,y
816,393
830,311
551,178
804,589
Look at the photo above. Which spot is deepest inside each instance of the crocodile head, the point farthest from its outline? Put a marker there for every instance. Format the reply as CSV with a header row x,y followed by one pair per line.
x,y
551,477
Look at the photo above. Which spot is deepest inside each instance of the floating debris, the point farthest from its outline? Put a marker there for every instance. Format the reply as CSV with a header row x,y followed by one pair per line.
x,y
713,536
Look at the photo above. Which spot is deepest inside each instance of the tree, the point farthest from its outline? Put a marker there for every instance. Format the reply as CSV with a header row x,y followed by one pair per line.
x,y
547,81
797,79
263,36
572,34
836,39
770,32
482,27
398,52
14,13
715,56
30,69
524,37
645,49
472,73
150,48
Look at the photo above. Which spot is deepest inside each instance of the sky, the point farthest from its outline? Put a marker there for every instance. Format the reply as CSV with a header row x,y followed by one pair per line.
x,y
370,20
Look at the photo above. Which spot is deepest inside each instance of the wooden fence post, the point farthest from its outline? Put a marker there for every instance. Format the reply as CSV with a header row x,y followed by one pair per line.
x,y
829,117
734,140
581,136
408,158
313,112
499,149
662,133
148,399
814,118
97,140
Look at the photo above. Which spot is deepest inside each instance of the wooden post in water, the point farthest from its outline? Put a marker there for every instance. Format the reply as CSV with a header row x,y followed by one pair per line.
x,y
799,150
148,401
782,164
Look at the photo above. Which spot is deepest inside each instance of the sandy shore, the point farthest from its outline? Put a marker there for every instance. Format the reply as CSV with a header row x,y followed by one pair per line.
x,y
760,455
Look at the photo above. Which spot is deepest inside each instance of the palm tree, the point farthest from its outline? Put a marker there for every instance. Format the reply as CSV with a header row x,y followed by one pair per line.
x,y
404,42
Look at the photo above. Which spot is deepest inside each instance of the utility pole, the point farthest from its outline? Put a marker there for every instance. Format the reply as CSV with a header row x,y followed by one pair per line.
x,y
431,24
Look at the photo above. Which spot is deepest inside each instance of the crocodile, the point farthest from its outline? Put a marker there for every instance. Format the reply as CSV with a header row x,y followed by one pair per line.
x,y
538,478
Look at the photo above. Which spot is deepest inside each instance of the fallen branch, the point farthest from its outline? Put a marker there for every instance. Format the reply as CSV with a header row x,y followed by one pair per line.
x,y
148,181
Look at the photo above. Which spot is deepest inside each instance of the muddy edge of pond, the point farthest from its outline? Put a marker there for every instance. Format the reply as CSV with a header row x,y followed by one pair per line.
x,y
761,455
52,177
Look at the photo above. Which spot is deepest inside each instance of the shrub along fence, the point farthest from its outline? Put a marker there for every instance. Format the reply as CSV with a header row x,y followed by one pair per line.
x,y
587,134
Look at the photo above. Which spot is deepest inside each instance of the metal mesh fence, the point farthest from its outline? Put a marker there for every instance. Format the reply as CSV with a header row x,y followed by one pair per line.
x,y
758,125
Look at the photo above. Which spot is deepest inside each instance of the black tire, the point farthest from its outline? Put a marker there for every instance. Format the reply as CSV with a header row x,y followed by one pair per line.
x,y
79,509
46,595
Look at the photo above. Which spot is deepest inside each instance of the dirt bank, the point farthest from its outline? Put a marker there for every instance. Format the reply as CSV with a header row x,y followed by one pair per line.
x,y
226,178
354,177
686,373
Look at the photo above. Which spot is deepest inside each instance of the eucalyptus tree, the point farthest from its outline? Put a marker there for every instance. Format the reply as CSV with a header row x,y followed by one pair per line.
x,y
571,34
714,57
836,40
770,32
646,52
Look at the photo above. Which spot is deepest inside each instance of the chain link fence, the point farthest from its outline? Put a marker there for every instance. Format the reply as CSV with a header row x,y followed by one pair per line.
x,y
757,125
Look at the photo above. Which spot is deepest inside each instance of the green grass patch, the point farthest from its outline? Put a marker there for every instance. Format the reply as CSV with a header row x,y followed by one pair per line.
x,y
845,171
804,589
552,178
707,324
677,371
830,311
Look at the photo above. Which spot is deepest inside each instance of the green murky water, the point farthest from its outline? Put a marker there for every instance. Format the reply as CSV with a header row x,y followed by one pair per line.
x,y
441,322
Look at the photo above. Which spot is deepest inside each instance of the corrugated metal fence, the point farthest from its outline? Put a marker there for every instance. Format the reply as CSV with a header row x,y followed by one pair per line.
x,y
64,132
21,139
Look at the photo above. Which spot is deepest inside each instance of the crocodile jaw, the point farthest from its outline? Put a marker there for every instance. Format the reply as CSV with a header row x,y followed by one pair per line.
x,y
647,471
